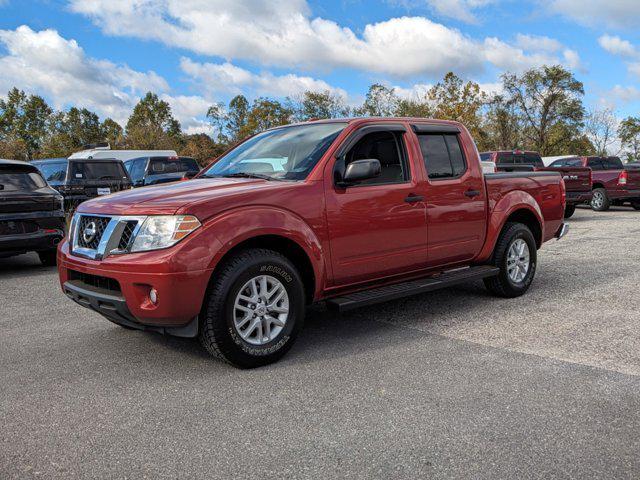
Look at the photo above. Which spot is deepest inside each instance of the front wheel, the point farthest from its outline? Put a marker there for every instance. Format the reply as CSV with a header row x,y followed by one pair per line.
x,y
569,211
516,257
600,201
254,309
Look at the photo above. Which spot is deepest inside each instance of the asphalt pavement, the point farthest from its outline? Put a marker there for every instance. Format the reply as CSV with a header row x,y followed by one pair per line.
x,y
452,384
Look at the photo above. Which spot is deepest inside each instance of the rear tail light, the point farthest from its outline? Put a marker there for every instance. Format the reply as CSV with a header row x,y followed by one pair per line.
x,y
623,178
563,193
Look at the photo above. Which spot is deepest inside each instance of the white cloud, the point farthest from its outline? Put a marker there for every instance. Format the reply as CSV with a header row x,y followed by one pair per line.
x,y
617,46
45,63
284,34
191,111
623,94
217,78
463,10
612,13
415,92
536,42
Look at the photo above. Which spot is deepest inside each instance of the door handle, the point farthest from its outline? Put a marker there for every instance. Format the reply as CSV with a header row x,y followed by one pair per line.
x,y
414,198
472,193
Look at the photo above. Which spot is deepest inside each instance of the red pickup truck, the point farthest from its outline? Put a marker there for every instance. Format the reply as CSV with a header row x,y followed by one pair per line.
x,y
612,183
351,212
577,178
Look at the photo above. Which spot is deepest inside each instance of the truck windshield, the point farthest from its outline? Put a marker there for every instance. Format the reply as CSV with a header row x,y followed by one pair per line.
x,y
20,180
287,153
98,170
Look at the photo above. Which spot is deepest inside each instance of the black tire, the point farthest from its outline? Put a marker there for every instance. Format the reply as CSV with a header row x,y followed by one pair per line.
x,y
502,285
218,334
596,204
569,211
635,204
48,258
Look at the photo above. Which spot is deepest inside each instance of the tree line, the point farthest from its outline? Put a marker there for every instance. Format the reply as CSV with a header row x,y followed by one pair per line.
x,y
541,109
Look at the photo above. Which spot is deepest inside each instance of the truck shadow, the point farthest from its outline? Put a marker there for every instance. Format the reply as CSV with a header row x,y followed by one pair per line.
x,y
23,265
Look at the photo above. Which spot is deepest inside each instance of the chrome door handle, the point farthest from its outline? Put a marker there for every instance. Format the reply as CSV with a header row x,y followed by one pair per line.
x,y
414,198
472,193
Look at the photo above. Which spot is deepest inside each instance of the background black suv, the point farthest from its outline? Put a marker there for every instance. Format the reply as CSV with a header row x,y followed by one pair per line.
x,y
155,170
31,212
81,179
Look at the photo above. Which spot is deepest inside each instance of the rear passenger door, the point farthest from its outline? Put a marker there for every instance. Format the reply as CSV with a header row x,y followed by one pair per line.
x,y
455,197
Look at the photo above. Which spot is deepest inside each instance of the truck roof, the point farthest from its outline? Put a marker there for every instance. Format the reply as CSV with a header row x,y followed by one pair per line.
x,y
107,153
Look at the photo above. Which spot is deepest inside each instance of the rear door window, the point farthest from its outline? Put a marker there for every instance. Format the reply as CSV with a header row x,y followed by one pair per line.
x,y
20,180
613,163
98,170
567,162
533,159
442,155
506,158
595,164
162,165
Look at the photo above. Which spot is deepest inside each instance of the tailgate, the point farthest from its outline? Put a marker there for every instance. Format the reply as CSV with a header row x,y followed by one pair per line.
x,y
576,179
27,202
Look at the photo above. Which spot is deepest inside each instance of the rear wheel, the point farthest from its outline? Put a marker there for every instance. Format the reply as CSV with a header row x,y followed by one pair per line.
x,y
600,201
569,211
516,257
254,309
48,258
635,204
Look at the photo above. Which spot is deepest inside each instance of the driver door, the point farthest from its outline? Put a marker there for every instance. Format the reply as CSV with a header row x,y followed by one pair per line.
x,y
377,227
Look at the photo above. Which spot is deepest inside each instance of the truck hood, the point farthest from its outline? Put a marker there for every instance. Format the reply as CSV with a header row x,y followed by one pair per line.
x,y
169,198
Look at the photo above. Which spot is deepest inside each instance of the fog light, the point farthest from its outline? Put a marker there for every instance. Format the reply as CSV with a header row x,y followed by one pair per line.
x,y
153,296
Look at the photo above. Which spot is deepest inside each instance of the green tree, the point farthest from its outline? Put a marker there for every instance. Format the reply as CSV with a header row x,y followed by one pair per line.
x,y
320,105
23,123
201,147
112,133
152,126
629,133
70,131
380,101
600,127
545,97
419,108
461,101
266,113
502,125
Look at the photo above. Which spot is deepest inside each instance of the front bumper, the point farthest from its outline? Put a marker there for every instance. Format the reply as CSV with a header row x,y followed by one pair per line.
x,y
114,307
562,231
126,283
578,198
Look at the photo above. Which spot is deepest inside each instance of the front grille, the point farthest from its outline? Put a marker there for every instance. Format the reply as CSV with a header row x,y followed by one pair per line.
x,y
127,235
17,227
90,231
96,281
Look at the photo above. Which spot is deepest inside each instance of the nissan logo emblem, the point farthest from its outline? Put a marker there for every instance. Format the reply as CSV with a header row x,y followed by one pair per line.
x,y
89,232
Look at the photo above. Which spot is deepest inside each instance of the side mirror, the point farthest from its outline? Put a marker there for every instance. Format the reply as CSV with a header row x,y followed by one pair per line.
x,y
189,175
360,170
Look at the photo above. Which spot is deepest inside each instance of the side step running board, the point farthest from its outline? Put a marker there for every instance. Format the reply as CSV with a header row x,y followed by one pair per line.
x,y
414,287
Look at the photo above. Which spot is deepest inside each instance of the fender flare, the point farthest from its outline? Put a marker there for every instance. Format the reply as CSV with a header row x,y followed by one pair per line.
x,y
508,205
238,225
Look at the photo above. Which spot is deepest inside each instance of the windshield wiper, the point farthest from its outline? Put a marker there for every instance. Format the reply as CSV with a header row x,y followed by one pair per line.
x,y
248,175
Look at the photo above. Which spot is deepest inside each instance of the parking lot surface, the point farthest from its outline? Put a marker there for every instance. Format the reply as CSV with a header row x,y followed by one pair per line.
x,y
449,384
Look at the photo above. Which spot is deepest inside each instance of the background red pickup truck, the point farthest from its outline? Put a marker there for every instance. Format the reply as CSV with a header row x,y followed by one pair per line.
x,y
577,178
612,183
351,212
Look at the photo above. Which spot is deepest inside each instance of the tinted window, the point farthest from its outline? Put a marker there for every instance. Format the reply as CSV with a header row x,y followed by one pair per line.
x,y
53,173
595,164
613,163
98,170
283,153
533,159
162,165
506,158
386,147
442,155
485,157
16,180
567,162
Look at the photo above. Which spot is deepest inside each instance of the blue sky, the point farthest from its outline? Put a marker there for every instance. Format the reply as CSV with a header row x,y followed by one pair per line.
x,y
104,54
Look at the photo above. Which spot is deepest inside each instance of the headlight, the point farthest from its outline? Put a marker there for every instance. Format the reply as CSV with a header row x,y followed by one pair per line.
x,y
163,231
